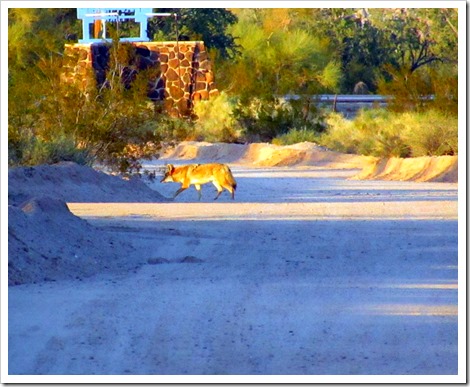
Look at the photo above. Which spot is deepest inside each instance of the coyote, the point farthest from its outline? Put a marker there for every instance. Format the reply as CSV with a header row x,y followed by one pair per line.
x,y
219,174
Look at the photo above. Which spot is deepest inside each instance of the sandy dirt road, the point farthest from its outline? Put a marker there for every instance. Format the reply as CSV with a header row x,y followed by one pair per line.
x,y
305,273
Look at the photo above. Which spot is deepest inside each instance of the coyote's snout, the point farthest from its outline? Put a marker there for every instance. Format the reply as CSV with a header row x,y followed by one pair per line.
x,y
196,174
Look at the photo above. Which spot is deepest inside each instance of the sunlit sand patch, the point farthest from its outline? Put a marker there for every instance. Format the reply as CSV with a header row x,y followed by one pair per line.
x,y
428,286
411,310
269,211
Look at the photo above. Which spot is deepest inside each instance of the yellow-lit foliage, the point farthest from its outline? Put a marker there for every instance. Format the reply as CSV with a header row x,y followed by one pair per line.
x,y
215,120
393,134
275,19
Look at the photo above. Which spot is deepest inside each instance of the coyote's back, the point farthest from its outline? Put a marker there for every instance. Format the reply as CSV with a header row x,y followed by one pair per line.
x,y
197,174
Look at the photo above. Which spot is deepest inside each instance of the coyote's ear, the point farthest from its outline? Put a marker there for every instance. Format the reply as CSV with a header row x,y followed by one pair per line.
x,y
170,168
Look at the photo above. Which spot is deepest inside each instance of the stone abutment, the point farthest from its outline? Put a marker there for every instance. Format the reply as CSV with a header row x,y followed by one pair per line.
x,y
185,75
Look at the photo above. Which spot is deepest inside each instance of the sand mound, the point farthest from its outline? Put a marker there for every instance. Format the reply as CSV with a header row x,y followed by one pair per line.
x,y
266,155
71,182
47,242
436,169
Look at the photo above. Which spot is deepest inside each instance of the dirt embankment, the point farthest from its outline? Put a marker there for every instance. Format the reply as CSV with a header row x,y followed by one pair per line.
x,y
45,240
267,155
436,169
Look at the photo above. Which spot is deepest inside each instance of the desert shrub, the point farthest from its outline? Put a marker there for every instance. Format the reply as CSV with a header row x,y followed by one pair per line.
x,y
390,134
50,116
263,120
37,151
342,135
381,134
215,119
169,129
431,133
60,149
389,143
295,136
370,133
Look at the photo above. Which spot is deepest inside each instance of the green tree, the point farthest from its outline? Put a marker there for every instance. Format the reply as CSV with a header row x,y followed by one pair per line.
x,y
419,36
424,43
207,24
277,59
356,43
373,44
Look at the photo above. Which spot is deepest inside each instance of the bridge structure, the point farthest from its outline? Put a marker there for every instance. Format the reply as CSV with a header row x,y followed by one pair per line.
x,y
94,22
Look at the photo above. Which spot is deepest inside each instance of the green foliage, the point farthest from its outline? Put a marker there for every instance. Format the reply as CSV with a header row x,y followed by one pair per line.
x,y
261,55
431,133
33,33
116,115
263,120
216,121
342,135
387,134
359,46
372,132
412,91
100,122
419,36
207,24
295,136
172,129
277,61
368,42
425,61
34,151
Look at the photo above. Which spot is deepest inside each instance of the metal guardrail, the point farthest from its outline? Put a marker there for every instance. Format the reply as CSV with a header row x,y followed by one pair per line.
x,y
343,98
347,104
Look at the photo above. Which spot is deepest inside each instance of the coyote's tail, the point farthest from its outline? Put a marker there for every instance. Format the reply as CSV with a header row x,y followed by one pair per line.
x,y
229,178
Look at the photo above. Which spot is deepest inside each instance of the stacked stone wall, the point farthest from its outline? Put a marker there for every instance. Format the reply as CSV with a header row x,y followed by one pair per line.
x,y
185,76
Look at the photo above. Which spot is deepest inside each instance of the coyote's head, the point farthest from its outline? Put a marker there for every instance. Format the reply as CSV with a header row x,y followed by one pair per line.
x,y
168,178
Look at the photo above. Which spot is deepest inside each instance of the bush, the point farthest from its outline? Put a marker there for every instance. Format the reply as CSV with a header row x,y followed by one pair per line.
x,y
215,120
51,119
431,133
169,129
342,135
295,136
37,151
387,134
263,120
